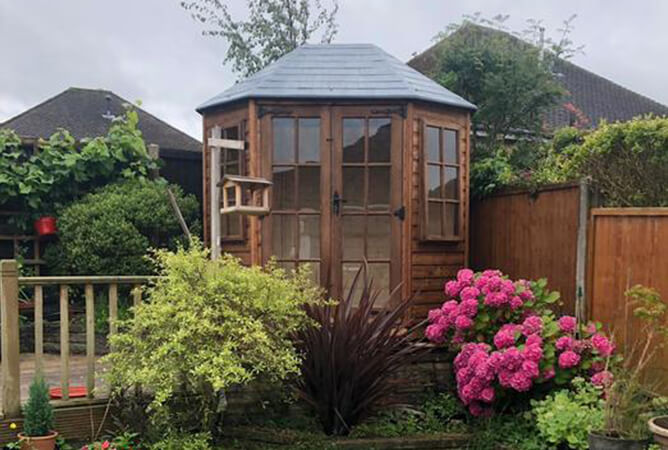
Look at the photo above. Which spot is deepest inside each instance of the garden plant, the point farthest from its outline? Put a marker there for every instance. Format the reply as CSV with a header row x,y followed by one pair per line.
x,y
38,430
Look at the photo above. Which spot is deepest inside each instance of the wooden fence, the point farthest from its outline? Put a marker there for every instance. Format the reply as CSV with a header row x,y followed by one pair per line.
x,y
534,234
10,284
627,246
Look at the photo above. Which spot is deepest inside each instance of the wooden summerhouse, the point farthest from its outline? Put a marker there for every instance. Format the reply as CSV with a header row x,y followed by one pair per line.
x,y
367,159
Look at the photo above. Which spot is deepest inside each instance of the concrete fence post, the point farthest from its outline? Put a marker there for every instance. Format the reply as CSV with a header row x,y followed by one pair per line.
x,y
9,318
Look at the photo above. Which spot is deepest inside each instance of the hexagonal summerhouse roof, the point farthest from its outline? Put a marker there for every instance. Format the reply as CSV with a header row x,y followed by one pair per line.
x,y
338,72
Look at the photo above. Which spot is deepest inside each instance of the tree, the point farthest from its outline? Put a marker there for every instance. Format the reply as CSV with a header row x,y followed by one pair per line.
x,y
272,29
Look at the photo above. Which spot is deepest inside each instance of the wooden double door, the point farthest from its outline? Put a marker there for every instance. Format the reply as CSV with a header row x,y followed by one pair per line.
x,y
337,192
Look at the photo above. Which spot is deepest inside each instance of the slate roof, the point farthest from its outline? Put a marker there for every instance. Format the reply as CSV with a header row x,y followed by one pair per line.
x,y
595,96
81,112
338,71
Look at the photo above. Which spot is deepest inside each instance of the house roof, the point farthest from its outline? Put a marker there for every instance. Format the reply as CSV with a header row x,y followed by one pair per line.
x,y
83,112
593,97
338,71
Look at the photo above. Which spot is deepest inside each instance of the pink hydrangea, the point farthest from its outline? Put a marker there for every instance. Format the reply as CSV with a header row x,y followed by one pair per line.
x,y
452,288
533,352
549,373
463,322
487,395
516,302
449,307
567,324
469,293
465,276
568,359
505,337
530,368
521,382
534,339
496,299
602,345
532,325
603,379
469,307
434,315
435,333
564,343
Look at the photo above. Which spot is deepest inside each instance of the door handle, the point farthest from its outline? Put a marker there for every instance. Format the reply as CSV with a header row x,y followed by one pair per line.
x,y
336,203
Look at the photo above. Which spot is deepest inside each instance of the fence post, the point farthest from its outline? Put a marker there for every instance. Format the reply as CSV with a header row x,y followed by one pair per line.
x,y
9,313
581,255
214,193
154,153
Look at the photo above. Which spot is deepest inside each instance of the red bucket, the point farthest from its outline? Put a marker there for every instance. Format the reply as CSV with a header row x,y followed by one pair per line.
x,y
45,226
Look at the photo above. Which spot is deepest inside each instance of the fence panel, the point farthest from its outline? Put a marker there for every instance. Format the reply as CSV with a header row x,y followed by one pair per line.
x,y
628,246
531,235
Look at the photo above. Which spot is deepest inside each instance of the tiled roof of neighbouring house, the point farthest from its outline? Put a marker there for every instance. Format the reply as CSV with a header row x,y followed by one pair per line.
x,y
83,112
593,97
338,71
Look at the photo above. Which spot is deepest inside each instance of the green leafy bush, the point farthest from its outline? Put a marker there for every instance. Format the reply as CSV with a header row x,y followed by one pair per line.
x,y
507,431
566,417
38,412
208,325
110,231
625,161
63,170
200,441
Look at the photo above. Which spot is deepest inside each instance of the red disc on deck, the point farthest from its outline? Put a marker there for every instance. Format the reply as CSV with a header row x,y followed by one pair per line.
x,y
75,392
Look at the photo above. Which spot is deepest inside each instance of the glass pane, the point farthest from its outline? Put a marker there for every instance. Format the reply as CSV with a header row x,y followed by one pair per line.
x,y
353,237
434,182
380,139
378,237
309,188
435,214
452,219
353,140
283,188
433,149
349,272
7,249
231,225
231,133
309,140
288,266
284,140
231,197
309,237
380,274
353,188
283,236
451,183
450,145
379,188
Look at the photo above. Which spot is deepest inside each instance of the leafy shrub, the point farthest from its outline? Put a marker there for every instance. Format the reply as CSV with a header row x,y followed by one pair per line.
x,y
350,355
200,441
62,171
509,341
207,325
507,431
566,417
38,412
441,413
625,161
110,231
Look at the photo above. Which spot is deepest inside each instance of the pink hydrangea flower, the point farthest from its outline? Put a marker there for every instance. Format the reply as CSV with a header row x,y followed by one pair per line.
x,y
549,373
465,276
521,382
534,339
564,343
469,307
567,324
487,395
505,337
532,325
603,379
469,293
434,315
463,323
435,333
533,352
496,299
452,288
602,345
516,302
568,359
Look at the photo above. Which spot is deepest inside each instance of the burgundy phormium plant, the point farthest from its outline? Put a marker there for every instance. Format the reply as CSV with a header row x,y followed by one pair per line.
x,y
509,340
350,355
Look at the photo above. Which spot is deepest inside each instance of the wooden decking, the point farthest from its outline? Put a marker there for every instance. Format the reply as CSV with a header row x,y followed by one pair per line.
x,y
52,373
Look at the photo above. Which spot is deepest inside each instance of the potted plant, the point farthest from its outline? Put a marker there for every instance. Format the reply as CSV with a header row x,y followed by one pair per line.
x,y
38,433
659,428
629,399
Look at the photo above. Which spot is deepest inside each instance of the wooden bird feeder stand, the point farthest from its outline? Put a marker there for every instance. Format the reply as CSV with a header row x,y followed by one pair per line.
x,y
233,200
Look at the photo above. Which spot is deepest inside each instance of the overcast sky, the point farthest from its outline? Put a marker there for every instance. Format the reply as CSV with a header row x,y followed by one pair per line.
x,y
153,51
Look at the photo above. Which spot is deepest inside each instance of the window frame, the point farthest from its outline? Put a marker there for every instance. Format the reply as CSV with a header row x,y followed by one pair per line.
x,y
242,164
443,165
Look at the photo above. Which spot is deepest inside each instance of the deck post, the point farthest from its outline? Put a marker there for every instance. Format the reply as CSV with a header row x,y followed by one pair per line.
x,y
9,313
214,193
581,255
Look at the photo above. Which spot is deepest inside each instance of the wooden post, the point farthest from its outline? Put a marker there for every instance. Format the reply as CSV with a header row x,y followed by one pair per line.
x,y
9,313
214,193
90,340
136,294
39,328
113,308
64,341
581,256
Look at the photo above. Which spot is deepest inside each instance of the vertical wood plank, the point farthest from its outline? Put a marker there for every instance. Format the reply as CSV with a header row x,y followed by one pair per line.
x,y
113,309
39,328
254,170
90,339
9,314
64,342
214,195
136,294
581,256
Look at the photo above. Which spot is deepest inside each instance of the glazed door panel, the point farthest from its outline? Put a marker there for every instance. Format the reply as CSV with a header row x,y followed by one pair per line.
x,y
366,197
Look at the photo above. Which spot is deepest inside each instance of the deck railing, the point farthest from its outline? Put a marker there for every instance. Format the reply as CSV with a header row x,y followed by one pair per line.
x,y
10,283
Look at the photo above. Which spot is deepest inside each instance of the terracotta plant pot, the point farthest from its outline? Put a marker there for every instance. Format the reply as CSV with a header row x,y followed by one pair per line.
x,y
45,226
659,426
600,441
38,443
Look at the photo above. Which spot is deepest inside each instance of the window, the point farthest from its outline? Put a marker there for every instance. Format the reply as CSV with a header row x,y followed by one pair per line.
x,y
232,162
295,204
442,193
